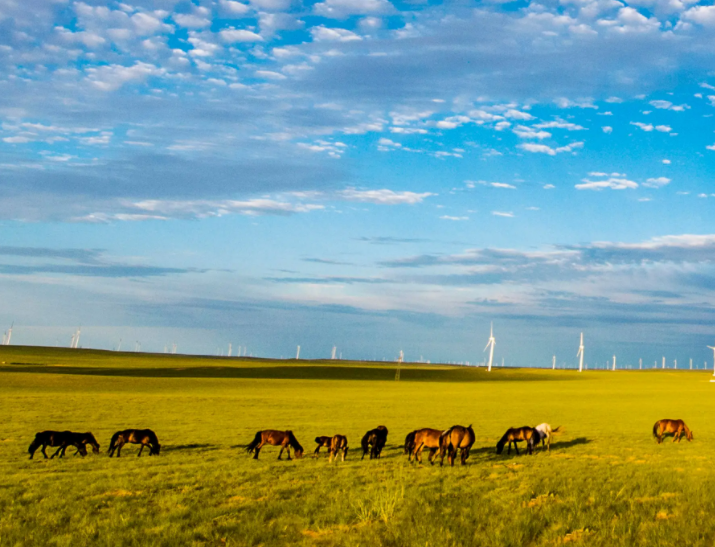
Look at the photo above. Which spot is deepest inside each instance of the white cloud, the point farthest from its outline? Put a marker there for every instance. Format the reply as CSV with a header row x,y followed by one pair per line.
x,y
502,185
549,186
544,149
453,122
667,105
192,20
503,214
448,217
644,126
703,15
339,9
269,75
233,36
324,34
612,183
513,114
658,182
525,132
560,124
234,8
383,197
607,129
112,77
666,162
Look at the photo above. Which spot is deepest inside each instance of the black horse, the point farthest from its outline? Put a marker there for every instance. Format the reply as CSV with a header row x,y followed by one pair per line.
x,y
63,439
144,437
374,441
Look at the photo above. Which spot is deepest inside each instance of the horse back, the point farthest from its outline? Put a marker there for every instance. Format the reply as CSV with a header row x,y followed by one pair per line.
x,y
428,437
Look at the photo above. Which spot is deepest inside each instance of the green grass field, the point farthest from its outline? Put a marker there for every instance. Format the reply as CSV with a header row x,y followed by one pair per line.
x,y
606,481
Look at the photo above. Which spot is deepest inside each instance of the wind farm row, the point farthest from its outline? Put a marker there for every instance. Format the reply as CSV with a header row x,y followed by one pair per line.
x,y
487,362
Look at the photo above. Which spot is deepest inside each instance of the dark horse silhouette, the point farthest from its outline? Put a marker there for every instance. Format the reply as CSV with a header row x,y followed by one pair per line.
x,y
144,437
518,434
322,442
374,441
63,439
456,438
285,439
676,427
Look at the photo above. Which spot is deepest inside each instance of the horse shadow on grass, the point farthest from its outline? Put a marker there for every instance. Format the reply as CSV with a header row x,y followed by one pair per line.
x,y
192,446
555,447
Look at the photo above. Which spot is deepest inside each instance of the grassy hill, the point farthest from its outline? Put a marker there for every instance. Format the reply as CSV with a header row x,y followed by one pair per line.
x,y
606,481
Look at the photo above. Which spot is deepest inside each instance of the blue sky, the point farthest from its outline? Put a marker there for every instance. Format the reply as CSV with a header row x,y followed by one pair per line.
x,y
376,175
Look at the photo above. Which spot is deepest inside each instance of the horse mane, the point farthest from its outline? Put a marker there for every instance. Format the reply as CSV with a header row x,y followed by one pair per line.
x,y
293,441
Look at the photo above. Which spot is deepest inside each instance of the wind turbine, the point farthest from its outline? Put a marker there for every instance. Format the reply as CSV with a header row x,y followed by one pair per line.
x,y
297,353
713,348
490,345
663,362
332,355
614,362
640,364
580,354
8,336
553,363
230,348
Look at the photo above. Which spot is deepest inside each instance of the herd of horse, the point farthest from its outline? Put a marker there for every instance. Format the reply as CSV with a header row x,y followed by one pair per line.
x,y
62,440
441,443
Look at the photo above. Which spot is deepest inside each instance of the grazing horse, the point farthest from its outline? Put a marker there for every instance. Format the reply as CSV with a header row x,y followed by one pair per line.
x,y
518,434
425,438
410,442
545,434
144,437
285,439
374,441
322,442
339,443
676,427
456,438
63,439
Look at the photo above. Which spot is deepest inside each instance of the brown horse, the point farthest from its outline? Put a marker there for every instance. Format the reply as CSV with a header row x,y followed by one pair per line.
x,y
425,438
339,443
676,427
322,442
144,437
374,441
516,435
456,438
285,439
63,439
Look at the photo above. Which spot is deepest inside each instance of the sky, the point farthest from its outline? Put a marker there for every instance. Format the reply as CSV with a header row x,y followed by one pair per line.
x,y
373,175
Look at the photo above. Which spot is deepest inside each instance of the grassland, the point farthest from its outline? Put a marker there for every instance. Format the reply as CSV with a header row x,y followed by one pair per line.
x,y
606,482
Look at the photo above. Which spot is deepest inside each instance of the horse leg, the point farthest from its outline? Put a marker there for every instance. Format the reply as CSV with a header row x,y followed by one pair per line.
x,y
345,453
119,448
516,447
288,452
331,453
44,446
315,454
432,455
57,452
257,450
140,450
281,452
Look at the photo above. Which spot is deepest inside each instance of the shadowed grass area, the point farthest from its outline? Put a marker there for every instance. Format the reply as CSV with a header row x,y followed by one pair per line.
x,y
606,482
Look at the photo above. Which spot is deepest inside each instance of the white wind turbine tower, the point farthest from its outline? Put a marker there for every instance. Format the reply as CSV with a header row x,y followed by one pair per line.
x,y
553,363
8,336
490,345
230,348
614,362
297,353
332,355
713,348
580,354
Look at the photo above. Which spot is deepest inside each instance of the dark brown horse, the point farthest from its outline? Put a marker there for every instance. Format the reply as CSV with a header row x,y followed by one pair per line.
x,y
322,442
285,439
456,438
63,439
425,438
676,427
339,443
516,435
144,437
374,441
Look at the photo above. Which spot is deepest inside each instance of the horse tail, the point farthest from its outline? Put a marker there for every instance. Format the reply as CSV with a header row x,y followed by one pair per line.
x,y
409,442
256,441
556,430
113,441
